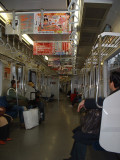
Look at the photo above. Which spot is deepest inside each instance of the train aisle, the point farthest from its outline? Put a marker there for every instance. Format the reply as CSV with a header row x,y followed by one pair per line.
x,y
51,140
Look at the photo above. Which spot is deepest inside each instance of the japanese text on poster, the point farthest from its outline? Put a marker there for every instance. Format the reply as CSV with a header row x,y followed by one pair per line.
x,y
53,23
52,48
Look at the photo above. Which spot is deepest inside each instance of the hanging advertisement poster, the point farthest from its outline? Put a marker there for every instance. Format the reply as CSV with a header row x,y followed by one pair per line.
x,y
53,23
65,71
62,48
26,23
43,48
52,48
53,62
67,61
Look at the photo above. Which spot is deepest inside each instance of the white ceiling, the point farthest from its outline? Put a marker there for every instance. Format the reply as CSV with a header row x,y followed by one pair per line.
x,y
35,4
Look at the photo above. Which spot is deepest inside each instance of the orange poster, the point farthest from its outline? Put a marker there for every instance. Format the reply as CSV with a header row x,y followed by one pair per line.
x,y
53,23
6,73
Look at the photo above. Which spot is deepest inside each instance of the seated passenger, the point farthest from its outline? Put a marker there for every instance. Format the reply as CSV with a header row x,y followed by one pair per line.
x,y
30,91
4,126
73,95
81,139
13,107
77,99
34,99
69,93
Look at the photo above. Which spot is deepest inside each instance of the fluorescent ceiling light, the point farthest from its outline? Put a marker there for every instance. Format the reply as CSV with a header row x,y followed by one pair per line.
x,y
75,42
4,18
3,15
46,58
76,36
28,39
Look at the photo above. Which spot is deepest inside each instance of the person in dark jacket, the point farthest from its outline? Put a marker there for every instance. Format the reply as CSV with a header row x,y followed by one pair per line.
x,y
81,140
4,126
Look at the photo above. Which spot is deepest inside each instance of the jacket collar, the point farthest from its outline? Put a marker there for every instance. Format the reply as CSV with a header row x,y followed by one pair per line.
x,y
115,91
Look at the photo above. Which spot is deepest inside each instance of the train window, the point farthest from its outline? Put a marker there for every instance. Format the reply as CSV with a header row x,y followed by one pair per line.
x,y
13,72
114,62
32,76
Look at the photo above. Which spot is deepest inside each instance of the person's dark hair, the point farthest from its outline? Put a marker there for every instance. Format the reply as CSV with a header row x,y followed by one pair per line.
x,y
45,19
30,81
68,14
13,82
115,78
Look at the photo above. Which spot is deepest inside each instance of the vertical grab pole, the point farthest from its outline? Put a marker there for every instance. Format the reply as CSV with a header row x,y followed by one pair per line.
x,y
86,80
99,63
91,73
84,83
16,85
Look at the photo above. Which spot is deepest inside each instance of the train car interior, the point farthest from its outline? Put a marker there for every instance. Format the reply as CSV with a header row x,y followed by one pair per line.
x,y
53,55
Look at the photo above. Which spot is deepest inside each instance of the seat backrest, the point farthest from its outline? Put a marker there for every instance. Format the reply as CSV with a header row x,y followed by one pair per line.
x,y
110,123
3,101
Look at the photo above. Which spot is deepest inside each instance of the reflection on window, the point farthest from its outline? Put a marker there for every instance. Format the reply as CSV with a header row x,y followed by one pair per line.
x,y
114,62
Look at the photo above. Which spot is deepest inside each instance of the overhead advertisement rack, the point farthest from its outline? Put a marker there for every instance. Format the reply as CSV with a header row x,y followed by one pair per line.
x,y
39,23
52,48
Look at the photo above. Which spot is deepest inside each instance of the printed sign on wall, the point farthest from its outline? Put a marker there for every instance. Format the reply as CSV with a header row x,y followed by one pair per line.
x,y
6,73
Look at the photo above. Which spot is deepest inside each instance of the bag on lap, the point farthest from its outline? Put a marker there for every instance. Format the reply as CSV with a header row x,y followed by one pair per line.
x,y
90,121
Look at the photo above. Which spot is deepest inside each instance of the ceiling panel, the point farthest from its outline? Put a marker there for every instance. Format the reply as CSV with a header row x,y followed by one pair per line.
x,y
97,13
91,23
93,18
35,4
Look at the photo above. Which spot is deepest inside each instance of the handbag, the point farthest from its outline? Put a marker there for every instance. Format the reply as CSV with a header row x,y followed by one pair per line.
x,y
90,121
31,118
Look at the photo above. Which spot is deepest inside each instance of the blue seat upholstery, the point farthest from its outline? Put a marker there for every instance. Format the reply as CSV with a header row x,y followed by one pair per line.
x,y
4,103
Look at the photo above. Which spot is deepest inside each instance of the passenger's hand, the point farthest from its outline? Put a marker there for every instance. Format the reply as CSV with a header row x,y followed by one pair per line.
x,y
81,105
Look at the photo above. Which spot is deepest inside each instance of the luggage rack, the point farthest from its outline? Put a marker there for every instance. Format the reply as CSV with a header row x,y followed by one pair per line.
x,y
106,44
10,60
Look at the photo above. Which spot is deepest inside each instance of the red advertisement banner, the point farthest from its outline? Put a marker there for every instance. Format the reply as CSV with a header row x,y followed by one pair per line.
x,y
43,49
52,48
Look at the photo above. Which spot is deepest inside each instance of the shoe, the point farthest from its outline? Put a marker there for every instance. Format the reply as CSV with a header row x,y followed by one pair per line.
x,y
2,142
8,139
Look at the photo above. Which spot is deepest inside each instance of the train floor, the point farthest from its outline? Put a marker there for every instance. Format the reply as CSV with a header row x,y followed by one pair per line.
x,y
52,139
